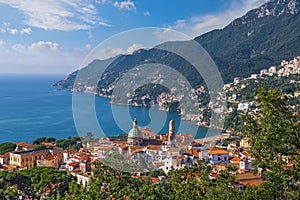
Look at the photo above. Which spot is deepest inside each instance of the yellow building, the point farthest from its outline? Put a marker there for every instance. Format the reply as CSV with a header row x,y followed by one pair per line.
x,y
245,142
28,159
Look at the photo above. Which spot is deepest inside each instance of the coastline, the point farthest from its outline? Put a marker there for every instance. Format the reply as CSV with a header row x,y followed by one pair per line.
x,y
195,122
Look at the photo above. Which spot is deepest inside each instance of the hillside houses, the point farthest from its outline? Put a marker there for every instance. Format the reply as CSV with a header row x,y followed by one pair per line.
x,y
169,151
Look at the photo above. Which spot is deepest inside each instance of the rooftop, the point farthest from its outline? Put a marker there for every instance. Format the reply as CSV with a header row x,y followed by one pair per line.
x,y
217,151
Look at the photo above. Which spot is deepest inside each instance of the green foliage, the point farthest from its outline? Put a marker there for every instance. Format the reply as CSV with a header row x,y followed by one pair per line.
x,y
13,184
74,142
39,146
274,133
7,147
44,139
47,181
157,173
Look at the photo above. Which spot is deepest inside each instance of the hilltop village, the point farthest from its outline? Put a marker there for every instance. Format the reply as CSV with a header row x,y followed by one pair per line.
x,y
164,152
236,94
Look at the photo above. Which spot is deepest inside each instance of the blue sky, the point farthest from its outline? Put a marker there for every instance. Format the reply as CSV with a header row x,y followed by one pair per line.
x,y
54,36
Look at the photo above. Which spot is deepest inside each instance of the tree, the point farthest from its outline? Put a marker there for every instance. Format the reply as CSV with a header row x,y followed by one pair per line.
x,y
39,147
274,131
7,147
74,142
47,181
44,139
13,184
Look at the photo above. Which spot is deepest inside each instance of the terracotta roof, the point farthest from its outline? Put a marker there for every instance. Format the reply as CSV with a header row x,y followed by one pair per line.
x,y
235,160
252,182
154,180
74,164
48,144
220,165
118,141
154,147
22,143
246,176
193,152
105,148
218,151
7,167
49,157
123,146
186,135
136,147
159,164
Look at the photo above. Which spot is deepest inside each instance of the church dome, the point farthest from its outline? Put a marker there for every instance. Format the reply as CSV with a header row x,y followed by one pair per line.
x,y
135,131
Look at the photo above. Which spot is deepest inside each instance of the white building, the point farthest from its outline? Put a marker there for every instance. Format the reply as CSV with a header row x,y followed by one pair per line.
x,y
272,70
243,106
218,156
246,164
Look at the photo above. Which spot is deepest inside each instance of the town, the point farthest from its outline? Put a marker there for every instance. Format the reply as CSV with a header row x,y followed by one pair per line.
x,y
165,151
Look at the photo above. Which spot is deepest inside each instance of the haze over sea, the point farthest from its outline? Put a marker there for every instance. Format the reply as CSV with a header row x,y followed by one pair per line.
x,y
30,107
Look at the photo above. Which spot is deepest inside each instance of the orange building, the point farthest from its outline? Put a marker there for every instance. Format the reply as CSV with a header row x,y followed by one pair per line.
x,y
27,159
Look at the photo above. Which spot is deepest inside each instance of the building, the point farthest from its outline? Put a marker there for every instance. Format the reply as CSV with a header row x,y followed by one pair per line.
x,y
245,142
243,106
82,179
246,164
135,136
171,135
218,156
27,159
272,70
236,80
246,179
255,76
48,161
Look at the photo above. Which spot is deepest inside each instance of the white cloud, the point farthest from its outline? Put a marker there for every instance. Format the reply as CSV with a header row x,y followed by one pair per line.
x,y
41,57
133,48
13,31
197,25
43,46
26,31
18,47
147,13
125,5
65,15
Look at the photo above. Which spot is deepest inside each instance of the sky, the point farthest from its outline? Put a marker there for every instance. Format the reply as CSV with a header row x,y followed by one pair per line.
x,y
55,36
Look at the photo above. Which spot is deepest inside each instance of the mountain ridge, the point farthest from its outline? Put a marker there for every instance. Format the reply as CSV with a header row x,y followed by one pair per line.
x,y
262,37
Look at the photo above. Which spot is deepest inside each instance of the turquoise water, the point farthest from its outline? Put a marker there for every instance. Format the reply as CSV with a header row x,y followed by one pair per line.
x,y
30,107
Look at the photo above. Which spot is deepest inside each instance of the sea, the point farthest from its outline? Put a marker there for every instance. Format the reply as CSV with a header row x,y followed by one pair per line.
x,y
31,107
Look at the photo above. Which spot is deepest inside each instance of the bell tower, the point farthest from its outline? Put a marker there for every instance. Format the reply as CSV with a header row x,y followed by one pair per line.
x,y
171,134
